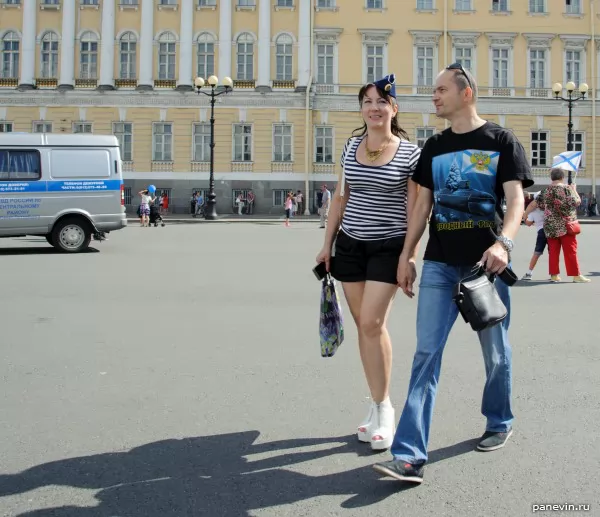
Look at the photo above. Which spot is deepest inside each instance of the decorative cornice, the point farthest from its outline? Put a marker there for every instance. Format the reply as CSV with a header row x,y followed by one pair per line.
x,y
425,37
498,39
290,100
152,99
539,40
327,34
464,38
575,41
375,35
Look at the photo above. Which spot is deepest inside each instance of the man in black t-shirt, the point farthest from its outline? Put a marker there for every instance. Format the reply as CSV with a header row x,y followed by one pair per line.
x,y
464,173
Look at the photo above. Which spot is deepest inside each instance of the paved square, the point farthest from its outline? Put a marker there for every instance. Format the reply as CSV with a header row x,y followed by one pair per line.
x,y
176,373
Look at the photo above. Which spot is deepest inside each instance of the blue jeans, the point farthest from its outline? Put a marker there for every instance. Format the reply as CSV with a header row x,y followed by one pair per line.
x,y
436,314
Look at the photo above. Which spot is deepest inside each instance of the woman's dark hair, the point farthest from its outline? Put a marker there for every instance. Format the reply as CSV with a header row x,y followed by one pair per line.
x,y
396,129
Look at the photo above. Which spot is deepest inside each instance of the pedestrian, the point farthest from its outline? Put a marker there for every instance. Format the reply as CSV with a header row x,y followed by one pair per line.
x,y
368,220
145,198
289,207
464,173
325,204
535,217
559,203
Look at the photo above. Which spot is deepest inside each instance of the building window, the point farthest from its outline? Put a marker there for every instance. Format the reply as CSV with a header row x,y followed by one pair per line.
x,y
19,165
128,52
127,195
425,5
162,142
500,6
42,127
324,145
6,127
246,3
82,127
284,57
500,58
579,145
537,68
242,143
206,55
424,66
279,196
374,4
325,63
124,133
537,6
49,55
166,56
374,62
282,143
423,134
464,5
9,54
201,142
325,4
245,57
464,56
573,6
285,3
539,148
89,56
573,66
207,3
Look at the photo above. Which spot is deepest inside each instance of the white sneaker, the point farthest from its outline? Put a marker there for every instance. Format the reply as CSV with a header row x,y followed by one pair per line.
x,y
365,428
383,434
527,276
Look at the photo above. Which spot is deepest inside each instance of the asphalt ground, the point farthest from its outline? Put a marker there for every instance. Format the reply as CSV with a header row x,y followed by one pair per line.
x,y
176,372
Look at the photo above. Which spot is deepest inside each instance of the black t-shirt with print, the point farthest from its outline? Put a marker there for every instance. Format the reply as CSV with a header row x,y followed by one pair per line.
x,y
465,173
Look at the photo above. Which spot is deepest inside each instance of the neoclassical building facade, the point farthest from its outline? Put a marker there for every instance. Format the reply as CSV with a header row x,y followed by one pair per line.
x,y
127,67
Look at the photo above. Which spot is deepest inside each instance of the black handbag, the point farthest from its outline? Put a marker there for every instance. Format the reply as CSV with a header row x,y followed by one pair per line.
x,y
478,301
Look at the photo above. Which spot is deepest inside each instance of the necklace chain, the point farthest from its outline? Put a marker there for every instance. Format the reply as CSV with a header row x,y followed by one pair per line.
x,y
373,156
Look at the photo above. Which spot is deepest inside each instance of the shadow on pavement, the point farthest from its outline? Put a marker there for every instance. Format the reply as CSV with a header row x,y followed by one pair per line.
x,y
210,475
46,250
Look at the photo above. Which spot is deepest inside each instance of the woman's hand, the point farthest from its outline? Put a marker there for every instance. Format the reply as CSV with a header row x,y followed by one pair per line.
x,y
325,256
406,275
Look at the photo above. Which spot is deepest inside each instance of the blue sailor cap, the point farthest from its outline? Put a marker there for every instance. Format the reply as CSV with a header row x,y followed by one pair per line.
x,y
387,84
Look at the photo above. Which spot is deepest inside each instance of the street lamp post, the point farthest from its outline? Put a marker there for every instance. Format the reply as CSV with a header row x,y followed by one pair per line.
x,y
570,100
211,203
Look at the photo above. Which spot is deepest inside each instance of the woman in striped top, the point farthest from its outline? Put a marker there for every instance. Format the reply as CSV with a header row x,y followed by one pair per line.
x,y
368,221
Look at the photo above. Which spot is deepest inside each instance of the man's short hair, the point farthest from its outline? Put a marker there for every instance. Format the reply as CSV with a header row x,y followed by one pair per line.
x,y
462,82
556,174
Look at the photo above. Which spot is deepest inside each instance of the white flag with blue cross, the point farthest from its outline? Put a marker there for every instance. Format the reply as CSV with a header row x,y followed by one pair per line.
x,y
568,161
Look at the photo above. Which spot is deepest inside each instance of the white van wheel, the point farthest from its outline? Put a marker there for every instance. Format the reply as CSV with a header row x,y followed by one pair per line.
x,y
72,235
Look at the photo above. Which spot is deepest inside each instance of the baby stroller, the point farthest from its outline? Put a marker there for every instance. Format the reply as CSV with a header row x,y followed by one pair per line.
x,y
155,216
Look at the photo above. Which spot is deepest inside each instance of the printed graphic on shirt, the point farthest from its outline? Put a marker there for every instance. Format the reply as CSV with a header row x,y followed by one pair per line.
x,y
464,189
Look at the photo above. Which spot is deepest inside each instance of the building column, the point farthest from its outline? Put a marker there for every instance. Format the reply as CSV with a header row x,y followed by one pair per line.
x,y
146,79
304,44
107,46
67,50
264,46
186,45
28,45
225,39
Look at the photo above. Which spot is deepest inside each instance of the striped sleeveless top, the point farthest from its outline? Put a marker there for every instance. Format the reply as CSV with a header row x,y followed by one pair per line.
x,y
377,205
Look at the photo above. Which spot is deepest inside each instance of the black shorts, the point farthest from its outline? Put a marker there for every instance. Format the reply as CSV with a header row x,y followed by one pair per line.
x,y
359,261
540,242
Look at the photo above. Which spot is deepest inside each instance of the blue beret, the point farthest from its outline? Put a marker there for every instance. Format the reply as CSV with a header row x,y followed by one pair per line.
x,y
387,84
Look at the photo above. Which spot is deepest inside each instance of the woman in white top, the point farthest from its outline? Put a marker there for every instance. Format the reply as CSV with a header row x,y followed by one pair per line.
x,y
145,207
376,201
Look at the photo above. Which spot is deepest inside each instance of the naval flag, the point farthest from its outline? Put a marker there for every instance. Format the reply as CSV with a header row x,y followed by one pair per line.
x,y
568,161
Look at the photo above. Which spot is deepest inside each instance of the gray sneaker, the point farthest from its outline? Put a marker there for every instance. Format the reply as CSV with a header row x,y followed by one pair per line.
x,y
527,276
491,440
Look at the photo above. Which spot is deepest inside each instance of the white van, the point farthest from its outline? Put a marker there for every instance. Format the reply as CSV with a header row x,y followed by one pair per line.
x,y
67,188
